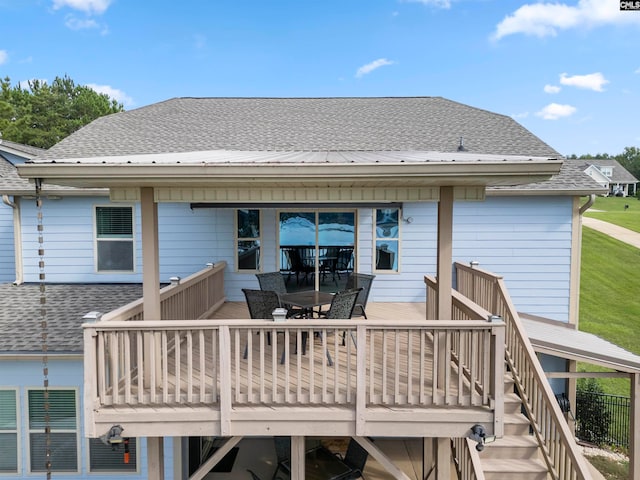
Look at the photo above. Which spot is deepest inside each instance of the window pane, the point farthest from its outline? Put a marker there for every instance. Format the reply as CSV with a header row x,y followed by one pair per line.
x,y
102,458
62,409
297,228
248,223
8,452
387,223
64,452
7,410
114,222
248,255
114,255
336,229
387,255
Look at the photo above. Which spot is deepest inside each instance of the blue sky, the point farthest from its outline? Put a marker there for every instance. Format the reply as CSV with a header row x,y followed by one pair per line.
x,y
568,70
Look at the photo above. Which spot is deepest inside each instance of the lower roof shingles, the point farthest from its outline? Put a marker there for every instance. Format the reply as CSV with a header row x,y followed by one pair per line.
x,y
66,305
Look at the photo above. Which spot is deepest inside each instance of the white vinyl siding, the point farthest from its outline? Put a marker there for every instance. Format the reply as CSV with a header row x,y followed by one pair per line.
x,y
8,431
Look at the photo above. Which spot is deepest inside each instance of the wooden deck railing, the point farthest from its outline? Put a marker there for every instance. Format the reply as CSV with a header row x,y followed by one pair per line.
x,y
191,298
468,464
229,363
550,428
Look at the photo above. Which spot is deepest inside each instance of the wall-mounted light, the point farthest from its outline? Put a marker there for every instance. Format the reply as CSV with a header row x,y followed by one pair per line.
x,y
113,437
408,220
479,434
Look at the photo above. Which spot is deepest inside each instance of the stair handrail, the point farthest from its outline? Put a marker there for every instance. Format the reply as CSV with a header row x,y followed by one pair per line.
x,y
558,446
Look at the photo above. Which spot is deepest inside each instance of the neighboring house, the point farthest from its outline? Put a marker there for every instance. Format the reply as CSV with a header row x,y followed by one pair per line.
x,y
407,185
610,175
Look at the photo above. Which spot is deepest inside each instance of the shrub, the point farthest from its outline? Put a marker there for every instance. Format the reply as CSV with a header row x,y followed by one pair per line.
x,y
592,415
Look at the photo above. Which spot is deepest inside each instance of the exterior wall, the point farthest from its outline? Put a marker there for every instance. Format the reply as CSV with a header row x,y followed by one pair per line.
x,y
7,250
525,239
27,374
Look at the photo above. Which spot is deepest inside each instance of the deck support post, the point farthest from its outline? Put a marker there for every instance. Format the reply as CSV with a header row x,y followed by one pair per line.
x,y
444,273
634,427
428,458
150,255
297,457
155,458
443,468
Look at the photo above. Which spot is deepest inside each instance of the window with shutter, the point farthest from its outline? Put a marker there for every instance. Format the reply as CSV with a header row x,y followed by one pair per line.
x,y
63,421
8,431
114,239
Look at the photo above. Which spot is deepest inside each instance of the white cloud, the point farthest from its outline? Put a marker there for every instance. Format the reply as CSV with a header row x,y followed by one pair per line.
x,y
546,19
551,89
90,7
554,111
433,3
114,93
4,56
75,23
591,81
370,67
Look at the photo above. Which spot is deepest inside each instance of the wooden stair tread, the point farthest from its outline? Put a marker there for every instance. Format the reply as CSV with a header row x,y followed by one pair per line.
x,y
513,465
514,441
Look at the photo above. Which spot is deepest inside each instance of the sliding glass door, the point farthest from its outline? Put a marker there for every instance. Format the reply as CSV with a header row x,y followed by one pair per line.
x,y
317,248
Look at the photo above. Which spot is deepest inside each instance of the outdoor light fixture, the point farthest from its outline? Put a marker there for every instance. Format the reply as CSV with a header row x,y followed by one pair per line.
x,y
113,437
479,435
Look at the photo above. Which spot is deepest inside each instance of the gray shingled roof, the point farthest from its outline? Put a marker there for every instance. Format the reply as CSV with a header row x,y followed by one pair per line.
x,y
26,151
571,180
300,124
66,305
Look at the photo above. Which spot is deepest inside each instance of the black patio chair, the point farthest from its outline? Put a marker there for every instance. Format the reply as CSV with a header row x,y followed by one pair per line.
x,y
274,281
362,281
261,304
299,267
341,307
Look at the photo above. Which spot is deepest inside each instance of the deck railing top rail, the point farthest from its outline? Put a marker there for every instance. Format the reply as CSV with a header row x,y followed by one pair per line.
x,y
172,302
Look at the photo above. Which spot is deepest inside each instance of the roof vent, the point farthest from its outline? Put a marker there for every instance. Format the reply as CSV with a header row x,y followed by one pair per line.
x,y
461,145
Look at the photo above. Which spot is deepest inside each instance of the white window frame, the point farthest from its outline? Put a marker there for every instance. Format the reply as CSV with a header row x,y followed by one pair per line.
x,y
39,431
132,240
238,239
398,240
16,432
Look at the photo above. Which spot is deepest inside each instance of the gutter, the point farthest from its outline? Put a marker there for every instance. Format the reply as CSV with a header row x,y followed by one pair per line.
x,y
587,206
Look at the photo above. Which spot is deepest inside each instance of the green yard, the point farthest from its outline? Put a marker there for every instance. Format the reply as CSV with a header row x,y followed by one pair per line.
x,y
610,282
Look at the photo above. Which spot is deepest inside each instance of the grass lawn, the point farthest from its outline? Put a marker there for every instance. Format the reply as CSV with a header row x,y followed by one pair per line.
x,y
613,211
609,286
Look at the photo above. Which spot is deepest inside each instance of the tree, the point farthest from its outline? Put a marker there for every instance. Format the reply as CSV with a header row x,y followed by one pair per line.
x,y
630,159
44,114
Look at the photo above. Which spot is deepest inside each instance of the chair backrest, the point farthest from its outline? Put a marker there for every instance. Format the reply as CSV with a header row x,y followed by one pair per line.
x,y
344,260
273,281
362,281
261,303
342,304
356,458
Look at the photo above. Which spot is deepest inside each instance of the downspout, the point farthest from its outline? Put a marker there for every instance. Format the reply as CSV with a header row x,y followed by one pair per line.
x,y
587,206
17,238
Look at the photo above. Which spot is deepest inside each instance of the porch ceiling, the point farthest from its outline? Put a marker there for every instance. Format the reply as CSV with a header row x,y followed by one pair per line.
x,y
302,170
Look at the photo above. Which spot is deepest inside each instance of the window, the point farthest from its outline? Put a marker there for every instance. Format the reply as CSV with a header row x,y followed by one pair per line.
x,y
387,239
248,251
8,432
63,420
103,458
607,171
114,239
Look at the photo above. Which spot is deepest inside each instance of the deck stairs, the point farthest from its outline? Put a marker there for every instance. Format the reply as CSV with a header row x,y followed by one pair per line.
x,y
515,456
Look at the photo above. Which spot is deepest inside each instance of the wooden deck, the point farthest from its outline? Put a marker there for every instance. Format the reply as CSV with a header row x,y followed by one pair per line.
x,y
403,377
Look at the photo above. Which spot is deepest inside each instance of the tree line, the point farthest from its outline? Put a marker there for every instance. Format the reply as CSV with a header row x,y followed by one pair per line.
x,y
41,114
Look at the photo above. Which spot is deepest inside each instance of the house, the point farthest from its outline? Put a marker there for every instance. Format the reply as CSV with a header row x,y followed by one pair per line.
x,y
610,175
205,193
